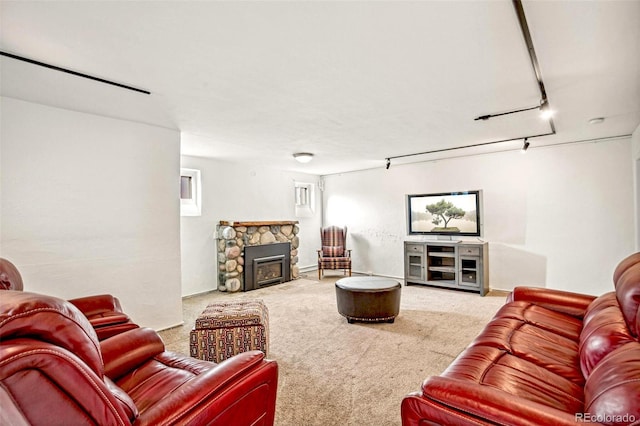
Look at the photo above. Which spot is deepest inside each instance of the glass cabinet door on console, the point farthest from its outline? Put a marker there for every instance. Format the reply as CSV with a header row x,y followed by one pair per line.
x,y
414,262
469,271
462,265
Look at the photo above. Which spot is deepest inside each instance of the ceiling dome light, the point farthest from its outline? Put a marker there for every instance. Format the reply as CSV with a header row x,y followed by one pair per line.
x,y
303,157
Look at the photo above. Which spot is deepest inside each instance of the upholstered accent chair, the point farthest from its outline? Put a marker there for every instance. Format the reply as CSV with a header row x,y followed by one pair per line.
x,y
334,253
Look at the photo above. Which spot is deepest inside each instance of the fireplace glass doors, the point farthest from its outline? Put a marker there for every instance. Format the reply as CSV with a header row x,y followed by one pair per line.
x,y
266,265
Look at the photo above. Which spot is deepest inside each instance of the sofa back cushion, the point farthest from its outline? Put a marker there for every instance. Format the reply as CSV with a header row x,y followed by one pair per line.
x,y
612,391
604,329
625,264
613,319
628,296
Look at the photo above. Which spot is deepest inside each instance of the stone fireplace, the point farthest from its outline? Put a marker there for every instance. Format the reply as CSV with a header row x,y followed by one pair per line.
x,y
275,264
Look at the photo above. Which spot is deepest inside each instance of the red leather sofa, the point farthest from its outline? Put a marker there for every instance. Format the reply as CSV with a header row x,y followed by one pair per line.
x,y
103,311
548,357
54,370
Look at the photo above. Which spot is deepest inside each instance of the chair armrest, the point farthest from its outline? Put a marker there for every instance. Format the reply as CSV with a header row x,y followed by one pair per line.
x,y
239,390
125,351
105,314
567,302
97,305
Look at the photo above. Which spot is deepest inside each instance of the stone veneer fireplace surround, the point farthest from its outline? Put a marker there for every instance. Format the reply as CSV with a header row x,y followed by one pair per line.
x,y
233,237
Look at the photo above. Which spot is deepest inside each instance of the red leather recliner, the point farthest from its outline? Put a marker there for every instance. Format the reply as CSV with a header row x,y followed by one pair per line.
x,y
547,357
105,314
53,370
103,311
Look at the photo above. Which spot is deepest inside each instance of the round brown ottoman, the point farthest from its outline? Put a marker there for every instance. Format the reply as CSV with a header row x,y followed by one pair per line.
x,y
372,299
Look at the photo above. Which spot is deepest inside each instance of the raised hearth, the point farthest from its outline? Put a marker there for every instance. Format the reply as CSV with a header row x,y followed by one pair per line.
x,y
234,238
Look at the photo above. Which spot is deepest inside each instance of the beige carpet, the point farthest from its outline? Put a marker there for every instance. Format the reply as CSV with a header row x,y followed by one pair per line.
x,y
335,373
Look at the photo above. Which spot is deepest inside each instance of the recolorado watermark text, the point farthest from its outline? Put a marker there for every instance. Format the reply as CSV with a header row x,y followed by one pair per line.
x,y
605,418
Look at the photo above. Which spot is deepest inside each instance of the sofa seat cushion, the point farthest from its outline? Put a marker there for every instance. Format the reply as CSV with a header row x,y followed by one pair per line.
x,y
546,319
541,347
514,377
155,379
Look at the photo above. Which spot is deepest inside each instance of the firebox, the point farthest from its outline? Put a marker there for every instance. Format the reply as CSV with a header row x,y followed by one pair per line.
x,y
266,265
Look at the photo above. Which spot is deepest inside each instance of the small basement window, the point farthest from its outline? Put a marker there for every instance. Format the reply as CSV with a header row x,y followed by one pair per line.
x,y
190,192
305,199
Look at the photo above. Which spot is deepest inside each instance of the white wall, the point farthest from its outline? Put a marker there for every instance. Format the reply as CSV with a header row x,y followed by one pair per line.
x,y
90,205
558,217
238,192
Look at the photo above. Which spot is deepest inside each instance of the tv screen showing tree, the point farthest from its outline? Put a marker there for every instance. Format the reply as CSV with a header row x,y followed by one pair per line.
x,y
447,213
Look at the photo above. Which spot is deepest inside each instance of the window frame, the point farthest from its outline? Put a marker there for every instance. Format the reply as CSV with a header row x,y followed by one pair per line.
x,y
304,198
191,206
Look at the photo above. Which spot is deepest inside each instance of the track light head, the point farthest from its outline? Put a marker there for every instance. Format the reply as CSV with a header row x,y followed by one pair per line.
x,y
545,112
388,163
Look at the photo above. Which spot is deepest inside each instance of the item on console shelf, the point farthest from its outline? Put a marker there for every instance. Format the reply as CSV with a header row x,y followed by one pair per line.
x,y
547,357
53,369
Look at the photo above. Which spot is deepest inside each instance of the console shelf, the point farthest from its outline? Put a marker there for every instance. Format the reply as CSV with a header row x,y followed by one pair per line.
x,y
461,265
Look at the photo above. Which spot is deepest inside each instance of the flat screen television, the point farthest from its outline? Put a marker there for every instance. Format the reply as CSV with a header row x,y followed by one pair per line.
x,y
445,213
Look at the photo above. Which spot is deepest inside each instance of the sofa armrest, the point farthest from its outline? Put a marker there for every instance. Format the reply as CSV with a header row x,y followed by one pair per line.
x,y
239,390
574,304
451,401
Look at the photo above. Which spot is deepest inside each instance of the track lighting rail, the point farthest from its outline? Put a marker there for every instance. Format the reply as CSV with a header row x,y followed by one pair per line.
x,y
434,151
76,73
488,116
544,101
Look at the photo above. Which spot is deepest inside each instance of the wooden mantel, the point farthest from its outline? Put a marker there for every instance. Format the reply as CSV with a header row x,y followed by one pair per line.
x,y
259,223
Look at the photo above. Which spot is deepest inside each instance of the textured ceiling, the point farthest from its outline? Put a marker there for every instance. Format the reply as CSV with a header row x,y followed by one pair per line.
x,y
351,82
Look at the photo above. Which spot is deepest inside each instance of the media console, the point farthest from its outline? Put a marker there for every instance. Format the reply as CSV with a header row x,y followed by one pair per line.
x,y
461,265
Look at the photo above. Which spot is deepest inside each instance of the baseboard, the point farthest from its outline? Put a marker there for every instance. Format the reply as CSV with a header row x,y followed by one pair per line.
x,y
309,268
198,294
371,274
180,324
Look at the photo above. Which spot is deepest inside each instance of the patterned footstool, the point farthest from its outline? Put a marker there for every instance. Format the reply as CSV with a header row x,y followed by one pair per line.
x,y
225,329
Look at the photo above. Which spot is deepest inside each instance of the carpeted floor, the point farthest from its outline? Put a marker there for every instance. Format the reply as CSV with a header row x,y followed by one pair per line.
x,y
335,373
